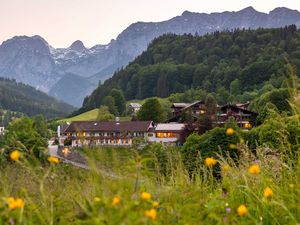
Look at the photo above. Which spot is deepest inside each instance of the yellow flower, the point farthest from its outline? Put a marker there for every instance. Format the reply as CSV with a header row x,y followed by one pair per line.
x,y
53,159
210,162
146,196
15,203
155,204
225,168
151,214
229,131
242,210
15,155
96,199
254,169
116,201
232,146
268,192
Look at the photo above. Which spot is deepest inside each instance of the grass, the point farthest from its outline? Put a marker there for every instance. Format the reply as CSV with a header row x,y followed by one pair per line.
x,y
88,116
62,194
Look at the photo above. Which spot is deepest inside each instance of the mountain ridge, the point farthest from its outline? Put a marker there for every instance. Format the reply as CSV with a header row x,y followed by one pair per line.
x,y
33,61
214,63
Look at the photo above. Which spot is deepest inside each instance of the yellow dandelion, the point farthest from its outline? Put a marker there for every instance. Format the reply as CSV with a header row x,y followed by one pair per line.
x,y
146,196
291,186
225,168
15,203
96,199
232,146
254,169
53,159
116,201
155,204
151,214
229,131
242,210
268,192
210,162
15,155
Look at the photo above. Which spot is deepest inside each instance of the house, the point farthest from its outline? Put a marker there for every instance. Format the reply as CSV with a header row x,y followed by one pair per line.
x,y
181,111
190,113
243,117
168,133
113,133
134,107
2,128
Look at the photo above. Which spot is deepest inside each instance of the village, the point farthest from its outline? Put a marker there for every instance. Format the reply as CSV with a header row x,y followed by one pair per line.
x,y
172,133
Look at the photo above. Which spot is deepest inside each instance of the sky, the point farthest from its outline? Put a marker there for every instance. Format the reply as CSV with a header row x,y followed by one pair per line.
x,y
61,22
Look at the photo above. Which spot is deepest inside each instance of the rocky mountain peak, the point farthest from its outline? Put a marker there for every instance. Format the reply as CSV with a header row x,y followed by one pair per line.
x,y
33,61
78,46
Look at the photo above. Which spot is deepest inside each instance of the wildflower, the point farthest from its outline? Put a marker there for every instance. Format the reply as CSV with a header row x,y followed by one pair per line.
x,y
15,203
146,196
254,169
151,214
242,141
225,168
155,204
15,155
242,210
229,131
116,201
268,192
232,146
96,199
210,162
228,210
291,186
53,159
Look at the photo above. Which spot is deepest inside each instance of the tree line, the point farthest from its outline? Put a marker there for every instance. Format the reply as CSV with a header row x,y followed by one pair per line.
x,y
231,64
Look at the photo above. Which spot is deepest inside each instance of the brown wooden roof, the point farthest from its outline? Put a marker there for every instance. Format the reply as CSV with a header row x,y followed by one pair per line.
x,y
111,126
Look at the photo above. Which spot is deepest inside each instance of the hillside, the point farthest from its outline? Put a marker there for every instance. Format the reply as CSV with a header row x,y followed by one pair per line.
x,y
239,61
25,99
33,61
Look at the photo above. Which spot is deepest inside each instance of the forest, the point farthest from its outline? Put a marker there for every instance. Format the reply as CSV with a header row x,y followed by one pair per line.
x,y
233,64
21,98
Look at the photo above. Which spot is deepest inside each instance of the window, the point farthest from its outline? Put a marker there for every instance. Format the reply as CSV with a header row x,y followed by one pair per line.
x,y
166,135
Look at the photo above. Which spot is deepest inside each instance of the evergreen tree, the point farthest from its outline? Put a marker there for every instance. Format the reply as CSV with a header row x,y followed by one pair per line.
x,y
151,110
109,101
120,101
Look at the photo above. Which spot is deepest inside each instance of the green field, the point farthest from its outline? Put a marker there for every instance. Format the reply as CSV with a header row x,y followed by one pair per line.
x,y
88,116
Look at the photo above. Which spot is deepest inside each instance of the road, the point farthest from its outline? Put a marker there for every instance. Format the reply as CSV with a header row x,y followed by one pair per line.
x,y
52,150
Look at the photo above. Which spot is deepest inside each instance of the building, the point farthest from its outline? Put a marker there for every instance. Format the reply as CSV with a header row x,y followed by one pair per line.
x,y
190,114
61,133
168,133
111,133
134,107
2,128
180,111
243,117
114,133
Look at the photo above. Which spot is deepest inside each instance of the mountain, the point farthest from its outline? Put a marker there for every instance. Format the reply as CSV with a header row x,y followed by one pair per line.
x,y
238,61
18,97
33,61
77,87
